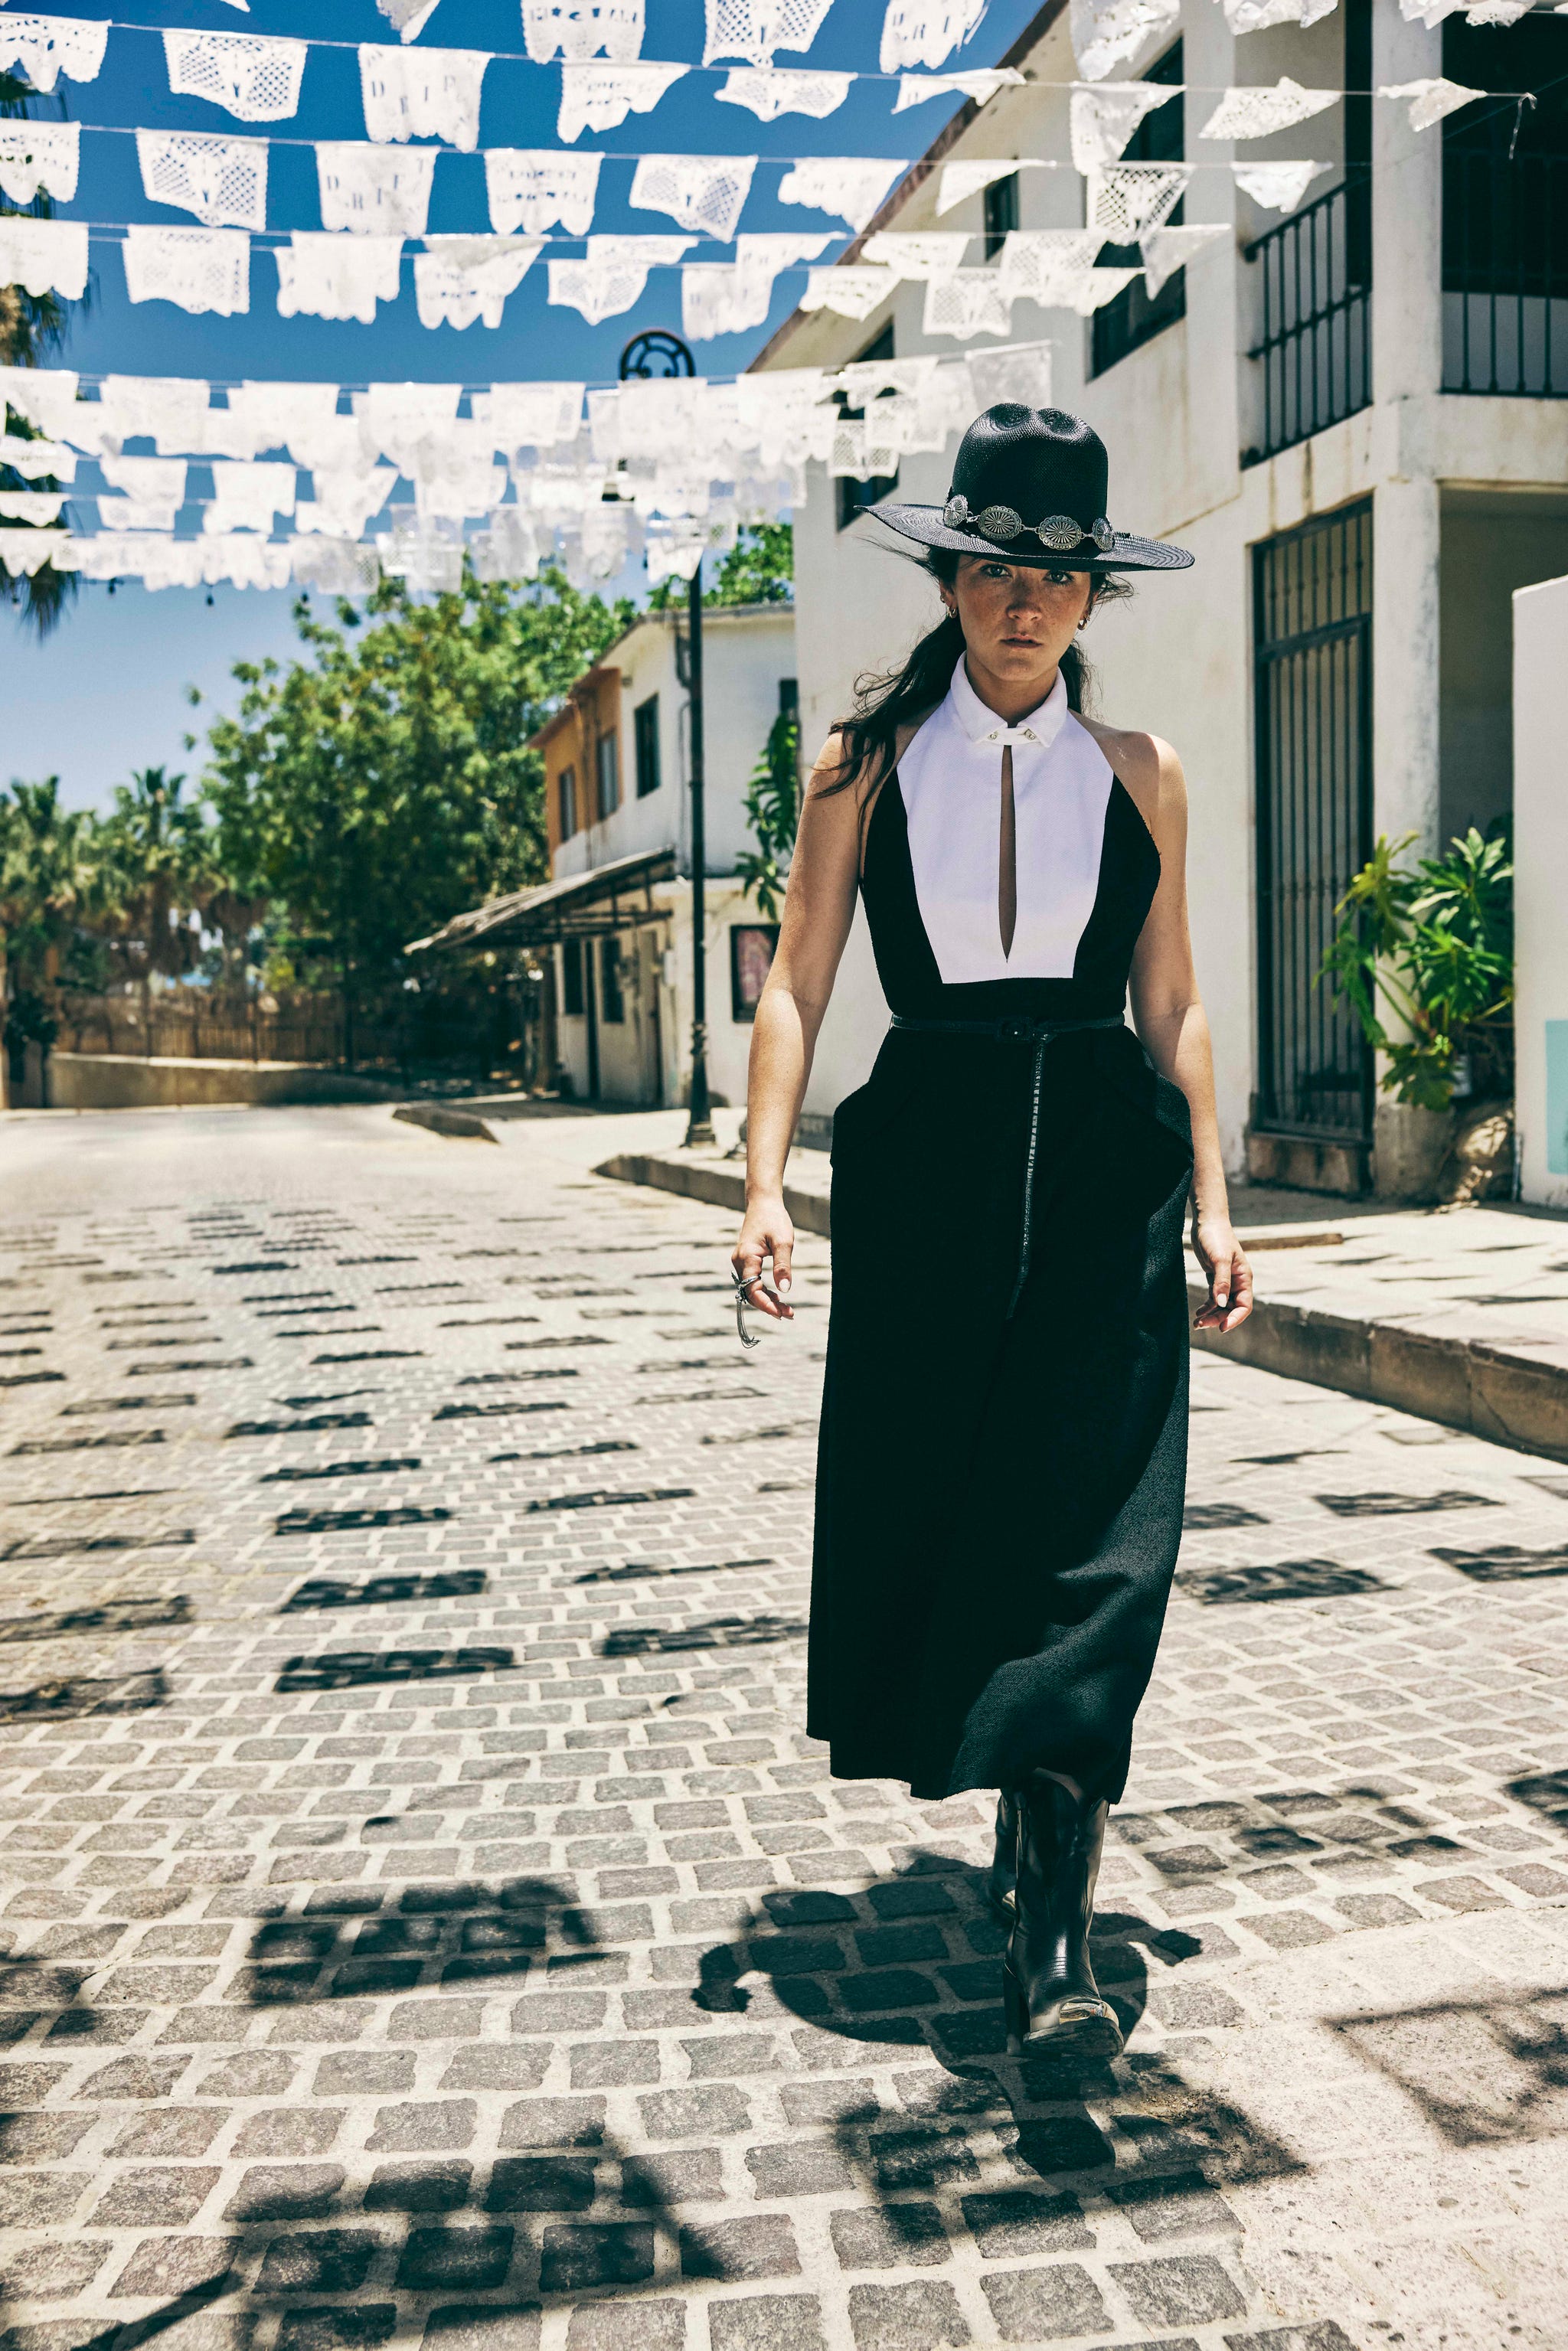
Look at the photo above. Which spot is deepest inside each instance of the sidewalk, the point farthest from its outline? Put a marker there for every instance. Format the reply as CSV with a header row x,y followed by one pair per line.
x,y
1460,1315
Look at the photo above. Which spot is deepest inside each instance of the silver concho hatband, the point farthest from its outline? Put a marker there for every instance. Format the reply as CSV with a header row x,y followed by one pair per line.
x,y
1001,525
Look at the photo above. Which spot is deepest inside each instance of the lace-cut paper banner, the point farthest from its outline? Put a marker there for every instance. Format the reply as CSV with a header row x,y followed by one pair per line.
x,y
248,496
455,493
580,29
924,32
222,179
1431,13
374,190
961,180
1254,16
335,566
238,560
537,188
1128,199
752,29
423,94
852,186
727,298
1256,113
1048,265
1167,250
423,561
980,85
46,397
345,504
852,293
408,18
1022,374
137,513
701,193
46,256
253,78
461,279
37,508
24,553
1111,33
1430,100
768,91
528,415
149,480
1102,120
400,420
969,302
600,98
322,274
197,269
934,253
40,158
171,411
275,415
44,47
1276,187
36,459
612,274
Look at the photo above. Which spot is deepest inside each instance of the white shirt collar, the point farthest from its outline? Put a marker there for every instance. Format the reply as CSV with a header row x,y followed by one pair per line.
x,y
981,724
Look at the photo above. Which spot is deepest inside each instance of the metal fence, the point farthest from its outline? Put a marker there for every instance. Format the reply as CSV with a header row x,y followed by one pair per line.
x,y
1312,655
1505,272
1312,359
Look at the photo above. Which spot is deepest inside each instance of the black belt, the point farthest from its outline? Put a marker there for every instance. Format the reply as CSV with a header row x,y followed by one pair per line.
x,y
1028,1033
1038,1033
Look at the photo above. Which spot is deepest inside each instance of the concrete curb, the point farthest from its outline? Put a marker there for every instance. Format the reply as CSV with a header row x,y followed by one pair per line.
x,y
1491,1391
439,1119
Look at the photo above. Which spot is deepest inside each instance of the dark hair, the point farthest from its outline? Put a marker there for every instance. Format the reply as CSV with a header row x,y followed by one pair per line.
x,y
886,703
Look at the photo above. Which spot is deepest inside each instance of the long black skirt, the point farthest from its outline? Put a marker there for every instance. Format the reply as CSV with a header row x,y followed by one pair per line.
x,y
1000,1492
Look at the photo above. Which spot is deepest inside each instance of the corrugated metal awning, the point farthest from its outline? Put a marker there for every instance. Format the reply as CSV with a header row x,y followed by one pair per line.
x,y
613,897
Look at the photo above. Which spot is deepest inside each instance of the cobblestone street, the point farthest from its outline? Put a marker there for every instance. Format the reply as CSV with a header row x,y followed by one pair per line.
x,y
424,1921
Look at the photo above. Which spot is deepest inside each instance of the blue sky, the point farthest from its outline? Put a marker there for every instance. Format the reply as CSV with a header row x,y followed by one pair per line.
x,y
105,694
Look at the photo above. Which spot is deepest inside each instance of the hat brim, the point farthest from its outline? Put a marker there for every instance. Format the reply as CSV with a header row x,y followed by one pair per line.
x,y
1129,554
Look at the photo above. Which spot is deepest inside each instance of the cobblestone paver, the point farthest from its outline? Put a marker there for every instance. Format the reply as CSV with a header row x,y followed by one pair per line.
x,y
423,1920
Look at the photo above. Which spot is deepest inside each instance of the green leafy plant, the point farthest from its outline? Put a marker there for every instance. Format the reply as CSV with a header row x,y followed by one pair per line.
x,y
1434,942
773,806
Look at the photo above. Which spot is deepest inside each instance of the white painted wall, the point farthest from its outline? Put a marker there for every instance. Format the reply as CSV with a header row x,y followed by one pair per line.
x,y
1541,888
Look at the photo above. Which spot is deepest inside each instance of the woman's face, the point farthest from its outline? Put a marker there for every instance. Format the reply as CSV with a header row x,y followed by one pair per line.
x,y
1017,619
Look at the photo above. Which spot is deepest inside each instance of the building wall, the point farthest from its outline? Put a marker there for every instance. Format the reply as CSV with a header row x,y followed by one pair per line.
x,y
1540,859
1492,543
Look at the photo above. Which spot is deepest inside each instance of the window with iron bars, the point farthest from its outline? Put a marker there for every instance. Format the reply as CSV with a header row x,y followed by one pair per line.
x,y
1134,316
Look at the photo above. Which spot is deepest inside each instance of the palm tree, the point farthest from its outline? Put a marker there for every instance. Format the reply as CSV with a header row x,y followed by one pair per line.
x,y
159,869
50,882
32,328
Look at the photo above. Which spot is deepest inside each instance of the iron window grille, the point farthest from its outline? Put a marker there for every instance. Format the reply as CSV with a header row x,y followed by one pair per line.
x,y
1505,212
646,745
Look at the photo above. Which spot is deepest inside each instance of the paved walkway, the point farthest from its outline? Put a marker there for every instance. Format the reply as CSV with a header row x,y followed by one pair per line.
x,y
425,1921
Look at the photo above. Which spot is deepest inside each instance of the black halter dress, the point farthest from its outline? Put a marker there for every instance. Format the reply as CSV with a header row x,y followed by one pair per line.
x,y
1003,1443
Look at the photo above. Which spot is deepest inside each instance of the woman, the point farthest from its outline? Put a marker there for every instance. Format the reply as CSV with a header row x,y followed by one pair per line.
x,y
1004,1421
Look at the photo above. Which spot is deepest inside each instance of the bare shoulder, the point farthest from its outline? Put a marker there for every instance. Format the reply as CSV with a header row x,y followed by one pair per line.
x,y
1146,766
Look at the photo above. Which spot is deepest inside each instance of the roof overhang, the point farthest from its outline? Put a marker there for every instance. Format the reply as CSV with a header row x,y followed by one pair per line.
x,y
613,897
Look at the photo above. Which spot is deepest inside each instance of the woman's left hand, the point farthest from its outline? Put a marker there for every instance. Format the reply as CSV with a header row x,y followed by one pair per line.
x,y
1229,1277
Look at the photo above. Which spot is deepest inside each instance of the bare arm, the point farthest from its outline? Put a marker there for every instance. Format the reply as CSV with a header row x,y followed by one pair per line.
x,y
1168,1014
818,907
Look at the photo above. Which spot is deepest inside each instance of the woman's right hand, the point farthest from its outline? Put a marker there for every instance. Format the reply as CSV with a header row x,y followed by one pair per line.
x,y
766,1233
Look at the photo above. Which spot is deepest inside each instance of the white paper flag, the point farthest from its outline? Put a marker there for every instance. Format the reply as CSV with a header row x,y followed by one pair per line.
x,y
924,32
247,498
170,409
461,279
36,459
980,85
768,91
1167,250
1257,113
1253,16
599,98
222,179
254,78
421,93
1125,200
198,269
40,158
961,180
46,256
727,298
374,190
528,415
537,188
25,553
1048,265
702,192
970,302
930,253
850,185
43,48
852,293
1111,33
1276,187
1101,120
752,29
46,397
35,507
580,29
1430,100
612,274
322,274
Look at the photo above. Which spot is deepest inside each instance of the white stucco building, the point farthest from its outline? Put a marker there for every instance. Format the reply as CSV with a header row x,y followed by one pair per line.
x,y
1353,415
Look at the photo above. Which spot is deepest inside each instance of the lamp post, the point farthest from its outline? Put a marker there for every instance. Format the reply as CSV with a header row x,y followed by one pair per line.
x,y
653,354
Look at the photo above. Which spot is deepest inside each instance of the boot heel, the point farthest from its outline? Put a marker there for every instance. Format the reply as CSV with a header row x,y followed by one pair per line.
x,y
1015,2013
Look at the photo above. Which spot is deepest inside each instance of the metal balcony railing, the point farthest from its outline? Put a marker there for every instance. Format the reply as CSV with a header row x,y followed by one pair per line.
x,y
1505,273
1313,357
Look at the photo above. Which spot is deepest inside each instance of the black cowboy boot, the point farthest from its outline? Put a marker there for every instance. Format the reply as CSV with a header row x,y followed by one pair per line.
x,y
1048,1989
1002,1883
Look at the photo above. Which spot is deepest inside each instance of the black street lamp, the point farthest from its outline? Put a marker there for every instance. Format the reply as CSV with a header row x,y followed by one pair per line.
x,y
654,353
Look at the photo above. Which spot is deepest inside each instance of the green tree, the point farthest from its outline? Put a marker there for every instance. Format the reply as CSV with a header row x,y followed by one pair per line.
x,y
159,870
773,806
32,328
1436,941
760,568
50,888
382,784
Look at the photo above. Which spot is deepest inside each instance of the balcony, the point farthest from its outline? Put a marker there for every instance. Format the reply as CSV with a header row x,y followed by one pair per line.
x,y
1505,273
1313,356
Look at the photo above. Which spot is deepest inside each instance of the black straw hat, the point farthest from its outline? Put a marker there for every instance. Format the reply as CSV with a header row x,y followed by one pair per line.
x,y
1029,485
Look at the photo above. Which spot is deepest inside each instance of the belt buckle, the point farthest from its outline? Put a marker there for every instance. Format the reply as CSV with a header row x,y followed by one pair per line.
x,y
1017,1031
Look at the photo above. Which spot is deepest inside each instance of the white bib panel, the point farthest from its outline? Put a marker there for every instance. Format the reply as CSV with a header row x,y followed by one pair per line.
x,y
951,780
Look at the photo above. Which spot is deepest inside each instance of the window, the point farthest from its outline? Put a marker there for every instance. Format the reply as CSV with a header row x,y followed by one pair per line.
x,y
645,745
788,697
611,1003
855,497
608,774
751,946
571,975
1001,211
1133,318
566,789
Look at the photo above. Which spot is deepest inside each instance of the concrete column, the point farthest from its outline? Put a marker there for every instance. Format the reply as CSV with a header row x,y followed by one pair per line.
x,y
1541,860
1407,217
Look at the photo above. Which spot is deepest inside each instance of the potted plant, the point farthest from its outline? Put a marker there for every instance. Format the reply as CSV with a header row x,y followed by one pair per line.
x,y
1432,944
